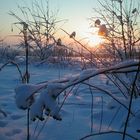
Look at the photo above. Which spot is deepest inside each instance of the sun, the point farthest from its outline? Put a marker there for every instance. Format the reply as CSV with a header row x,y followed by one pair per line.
x,y
91,37
95,40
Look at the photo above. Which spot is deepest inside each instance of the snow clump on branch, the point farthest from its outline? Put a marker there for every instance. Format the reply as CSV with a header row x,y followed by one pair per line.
x,y
46,102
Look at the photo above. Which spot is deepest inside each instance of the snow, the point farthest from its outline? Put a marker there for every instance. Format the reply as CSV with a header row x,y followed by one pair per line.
x,y
48,102
25,94
42,98
54,89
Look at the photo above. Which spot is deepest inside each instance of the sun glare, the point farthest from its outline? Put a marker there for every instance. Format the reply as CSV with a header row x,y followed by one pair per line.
x,y
95,40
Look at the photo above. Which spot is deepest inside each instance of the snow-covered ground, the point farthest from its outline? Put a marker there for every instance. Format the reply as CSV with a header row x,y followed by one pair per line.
x,y
77,112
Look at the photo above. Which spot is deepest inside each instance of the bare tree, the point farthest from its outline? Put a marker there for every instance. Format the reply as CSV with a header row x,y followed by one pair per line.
x,y
42,27
121,19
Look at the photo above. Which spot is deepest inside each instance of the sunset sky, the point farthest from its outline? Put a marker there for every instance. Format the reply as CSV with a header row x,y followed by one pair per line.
x,y
76,11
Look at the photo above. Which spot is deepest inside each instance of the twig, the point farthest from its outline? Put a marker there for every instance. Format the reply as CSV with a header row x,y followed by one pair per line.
x,y
15,64
43,126
35,129
101,121
114,116
130,103
108,93
108,132
50,114
91,129
4,114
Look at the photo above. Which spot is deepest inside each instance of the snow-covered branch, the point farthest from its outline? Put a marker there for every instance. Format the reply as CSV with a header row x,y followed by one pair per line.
x,y
50,90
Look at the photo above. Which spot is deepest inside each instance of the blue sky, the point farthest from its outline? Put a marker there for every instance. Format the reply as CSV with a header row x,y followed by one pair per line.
x,y
76,11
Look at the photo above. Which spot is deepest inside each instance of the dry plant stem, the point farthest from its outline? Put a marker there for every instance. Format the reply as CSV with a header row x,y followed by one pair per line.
x,y
101,121
116,84
91,129
126,23
28,124
78,81
97,73
78,42
50,113
122,26
4,114
100,60
108,132
33,135
78,52
83,46
114,116
130,103
65,98
37,136
125,86
43,25
24,31
28,110
15,64
108,93
77,88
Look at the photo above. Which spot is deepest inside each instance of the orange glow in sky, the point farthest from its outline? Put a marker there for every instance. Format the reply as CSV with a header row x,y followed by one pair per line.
x,y
95,40
75,11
